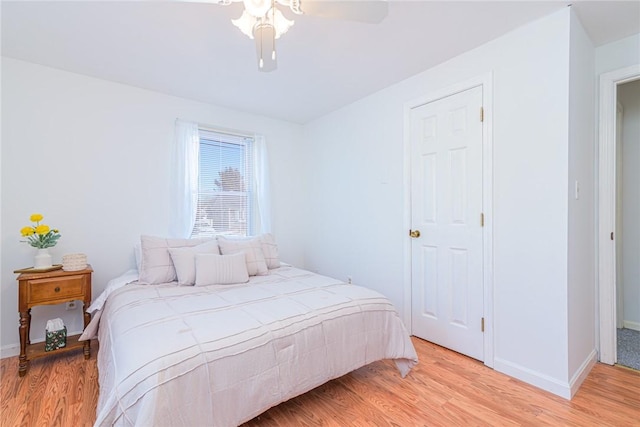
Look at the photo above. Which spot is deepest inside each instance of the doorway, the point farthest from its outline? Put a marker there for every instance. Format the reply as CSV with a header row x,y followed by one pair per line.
x,y
607,201
627,224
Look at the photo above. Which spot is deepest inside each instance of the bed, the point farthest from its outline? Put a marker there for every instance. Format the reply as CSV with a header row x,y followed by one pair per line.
x,y
220,355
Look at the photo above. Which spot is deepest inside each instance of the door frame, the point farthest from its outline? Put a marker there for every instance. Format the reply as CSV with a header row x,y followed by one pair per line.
x,y
618,231
606,209
486,82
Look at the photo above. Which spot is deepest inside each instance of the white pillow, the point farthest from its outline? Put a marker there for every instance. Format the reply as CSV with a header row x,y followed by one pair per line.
x,y
270,250
184,260
155,262
252,248
214,269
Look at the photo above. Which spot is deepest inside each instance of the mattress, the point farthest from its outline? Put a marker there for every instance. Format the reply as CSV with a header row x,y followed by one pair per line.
x,y
221,355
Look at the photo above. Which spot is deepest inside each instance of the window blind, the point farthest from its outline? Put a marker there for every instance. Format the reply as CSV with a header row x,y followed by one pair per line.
x,y
225,185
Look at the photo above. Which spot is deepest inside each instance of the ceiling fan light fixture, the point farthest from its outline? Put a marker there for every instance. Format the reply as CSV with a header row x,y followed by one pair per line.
x,y
294,5
246,23
257,8
278,21
262,21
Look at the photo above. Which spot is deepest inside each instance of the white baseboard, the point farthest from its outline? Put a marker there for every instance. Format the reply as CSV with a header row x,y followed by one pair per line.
x,y
582,372
631,325
545,382
9,350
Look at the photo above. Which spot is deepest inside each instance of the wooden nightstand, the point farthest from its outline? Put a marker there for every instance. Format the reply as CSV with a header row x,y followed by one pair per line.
x,y
53,287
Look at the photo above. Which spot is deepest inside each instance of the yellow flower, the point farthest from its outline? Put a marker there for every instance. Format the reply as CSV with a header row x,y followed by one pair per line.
x,y
40,236
42,229
36,217
27,231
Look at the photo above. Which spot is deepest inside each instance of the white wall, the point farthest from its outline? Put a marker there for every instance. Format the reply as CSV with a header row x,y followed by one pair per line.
x,y
93,157
356,205
629,97
618,54
581,255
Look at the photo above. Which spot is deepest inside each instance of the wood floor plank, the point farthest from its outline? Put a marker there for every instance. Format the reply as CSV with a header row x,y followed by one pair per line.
x,y
444,389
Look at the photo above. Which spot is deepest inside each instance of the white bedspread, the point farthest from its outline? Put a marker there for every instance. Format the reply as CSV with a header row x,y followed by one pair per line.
x,y
221,355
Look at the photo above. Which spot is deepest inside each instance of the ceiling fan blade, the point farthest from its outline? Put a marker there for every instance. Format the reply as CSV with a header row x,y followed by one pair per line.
x,y
264,36
367,11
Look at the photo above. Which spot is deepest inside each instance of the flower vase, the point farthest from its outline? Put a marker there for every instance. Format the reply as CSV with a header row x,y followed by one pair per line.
x,y
42,259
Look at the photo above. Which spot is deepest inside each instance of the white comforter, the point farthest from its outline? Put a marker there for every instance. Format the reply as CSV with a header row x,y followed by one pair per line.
x,y
220,355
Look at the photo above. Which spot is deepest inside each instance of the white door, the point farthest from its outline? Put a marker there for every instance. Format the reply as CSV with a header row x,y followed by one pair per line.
x,y
446,208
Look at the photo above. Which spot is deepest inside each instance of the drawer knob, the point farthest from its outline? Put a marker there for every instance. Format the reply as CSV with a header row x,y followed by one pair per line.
x,y
57,289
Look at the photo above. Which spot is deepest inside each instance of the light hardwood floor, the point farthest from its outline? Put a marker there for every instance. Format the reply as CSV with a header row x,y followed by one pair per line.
x,y
445,389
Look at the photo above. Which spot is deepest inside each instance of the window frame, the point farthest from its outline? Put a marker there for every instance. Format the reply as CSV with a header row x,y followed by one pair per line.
x,y
214,137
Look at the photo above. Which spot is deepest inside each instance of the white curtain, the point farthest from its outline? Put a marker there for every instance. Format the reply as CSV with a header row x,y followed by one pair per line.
x,y
184,179
262,205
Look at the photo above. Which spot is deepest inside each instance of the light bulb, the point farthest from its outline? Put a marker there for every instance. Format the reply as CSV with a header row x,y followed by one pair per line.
x,y
257,8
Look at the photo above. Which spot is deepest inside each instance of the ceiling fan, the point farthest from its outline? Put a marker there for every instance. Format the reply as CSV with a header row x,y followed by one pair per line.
x,y
263,21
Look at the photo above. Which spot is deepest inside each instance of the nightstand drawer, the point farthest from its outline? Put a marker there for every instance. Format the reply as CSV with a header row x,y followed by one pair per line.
x,y
55,289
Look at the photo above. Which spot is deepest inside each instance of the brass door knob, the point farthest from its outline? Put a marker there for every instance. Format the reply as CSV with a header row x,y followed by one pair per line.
x,y
414,233
57,289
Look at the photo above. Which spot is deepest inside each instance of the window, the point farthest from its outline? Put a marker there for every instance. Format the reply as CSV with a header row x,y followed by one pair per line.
x,y
225,185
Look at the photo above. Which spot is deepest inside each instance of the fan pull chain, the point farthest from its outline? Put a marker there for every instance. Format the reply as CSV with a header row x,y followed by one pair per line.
x,y
273,23
261,64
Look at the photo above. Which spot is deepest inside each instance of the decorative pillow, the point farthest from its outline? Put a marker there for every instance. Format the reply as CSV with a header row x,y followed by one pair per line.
x,y
252,248
270,250
212,269
184,260
155,262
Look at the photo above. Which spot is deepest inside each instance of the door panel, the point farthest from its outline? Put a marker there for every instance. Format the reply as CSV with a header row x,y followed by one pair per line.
x,y
446,203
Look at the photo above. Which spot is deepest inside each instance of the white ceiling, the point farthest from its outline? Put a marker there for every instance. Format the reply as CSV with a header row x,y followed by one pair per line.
x,y
193,51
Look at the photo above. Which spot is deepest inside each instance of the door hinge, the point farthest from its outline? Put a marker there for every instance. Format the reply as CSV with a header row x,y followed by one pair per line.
x,y
612,235
481,219
482,324
482,114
